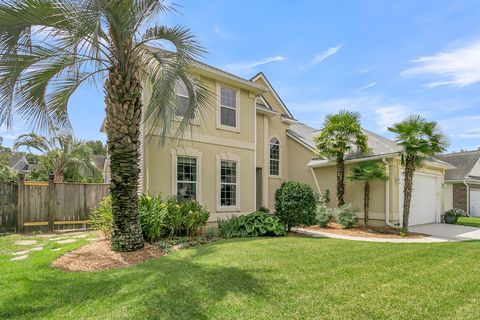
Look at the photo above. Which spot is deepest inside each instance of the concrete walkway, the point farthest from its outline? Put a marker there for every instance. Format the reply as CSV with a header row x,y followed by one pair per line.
x,y
449,231
319,234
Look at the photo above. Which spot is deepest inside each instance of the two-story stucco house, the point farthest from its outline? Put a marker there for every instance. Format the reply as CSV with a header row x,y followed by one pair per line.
x,y
236,155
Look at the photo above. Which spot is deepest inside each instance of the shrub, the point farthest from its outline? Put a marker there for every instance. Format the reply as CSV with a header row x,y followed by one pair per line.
x,y
324,214
455,212
251,225
346,216
295,204
173,217
153,214
159,218
264,210
101,217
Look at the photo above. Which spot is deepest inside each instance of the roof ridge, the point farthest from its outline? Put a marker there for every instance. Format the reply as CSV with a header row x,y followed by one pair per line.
x,y
459,152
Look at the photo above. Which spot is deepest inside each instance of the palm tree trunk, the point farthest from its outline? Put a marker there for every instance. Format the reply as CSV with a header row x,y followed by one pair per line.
x,y
123,116
407,188
340,181
366,202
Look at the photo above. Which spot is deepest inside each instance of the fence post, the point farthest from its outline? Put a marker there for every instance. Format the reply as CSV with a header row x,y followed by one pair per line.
x,y
21,201
51,201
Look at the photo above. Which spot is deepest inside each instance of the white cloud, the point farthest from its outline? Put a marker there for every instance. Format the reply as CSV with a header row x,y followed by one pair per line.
x,y
250,65
320,57
391,114
371,84
366,70
458,68
377,112
221,33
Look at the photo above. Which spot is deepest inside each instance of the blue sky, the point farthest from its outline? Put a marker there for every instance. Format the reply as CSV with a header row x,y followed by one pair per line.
x,y
385,59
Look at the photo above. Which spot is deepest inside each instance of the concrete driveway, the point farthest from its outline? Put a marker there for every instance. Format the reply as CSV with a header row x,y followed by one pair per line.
x,y
448,231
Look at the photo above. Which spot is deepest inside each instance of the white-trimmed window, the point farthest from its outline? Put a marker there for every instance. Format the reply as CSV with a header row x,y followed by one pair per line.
x,y
182,99
228,107
274,157
187,177
228,183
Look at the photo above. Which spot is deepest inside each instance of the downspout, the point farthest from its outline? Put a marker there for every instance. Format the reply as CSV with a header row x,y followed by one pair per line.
x,y
468,196
387,195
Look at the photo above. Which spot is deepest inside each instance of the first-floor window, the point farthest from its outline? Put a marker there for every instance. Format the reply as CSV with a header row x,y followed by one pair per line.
x,y
228,183
187,178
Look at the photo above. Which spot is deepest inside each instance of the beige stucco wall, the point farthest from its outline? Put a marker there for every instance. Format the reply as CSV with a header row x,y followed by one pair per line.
x,y
326,177
448,196
298,158
209,142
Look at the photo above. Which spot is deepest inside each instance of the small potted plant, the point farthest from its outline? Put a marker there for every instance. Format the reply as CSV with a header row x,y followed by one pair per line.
x,y
451,216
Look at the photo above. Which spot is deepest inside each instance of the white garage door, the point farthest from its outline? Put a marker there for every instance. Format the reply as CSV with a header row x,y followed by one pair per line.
x,y
475,203
424,205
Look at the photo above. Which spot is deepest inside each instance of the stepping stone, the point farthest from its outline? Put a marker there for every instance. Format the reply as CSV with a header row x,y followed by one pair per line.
x,y
93,239
26,242
47,235
20,253
20,258
80,236
37,249
56,249
66,241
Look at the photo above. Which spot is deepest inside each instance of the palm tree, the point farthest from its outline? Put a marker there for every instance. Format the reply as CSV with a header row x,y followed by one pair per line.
x,y
114,42
366,172
420,139
61,152
341,134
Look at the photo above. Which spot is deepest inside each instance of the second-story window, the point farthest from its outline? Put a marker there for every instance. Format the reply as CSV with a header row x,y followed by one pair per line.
x,y
228,107
182,99
274,157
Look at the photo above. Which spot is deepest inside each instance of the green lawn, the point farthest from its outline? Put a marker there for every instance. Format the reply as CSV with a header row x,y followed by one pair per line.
x,y
269,278
469,221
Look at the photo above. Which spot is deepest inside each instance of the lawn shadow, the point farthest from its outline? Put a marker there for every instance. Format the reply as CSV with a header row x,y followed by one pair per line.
x,y
178,286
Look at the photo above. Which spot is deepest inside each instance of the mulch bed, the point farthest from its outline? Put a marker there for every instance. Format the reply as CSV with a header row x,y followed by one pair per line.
x,y
362,231
98,256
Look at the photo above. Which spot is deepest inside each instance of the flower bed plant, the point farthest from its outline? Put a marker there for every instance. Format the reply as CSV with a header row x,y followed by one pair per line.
x,y
251,225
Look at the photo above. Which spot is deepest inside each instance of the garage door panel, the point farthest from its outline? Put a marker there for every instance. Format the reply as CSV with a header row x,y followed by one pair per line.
x,y
423,206
475,203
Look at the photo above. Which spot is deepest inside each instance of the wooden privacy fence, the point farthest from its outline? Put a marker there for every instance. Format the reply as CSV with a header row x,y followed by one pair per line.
x,y
49,205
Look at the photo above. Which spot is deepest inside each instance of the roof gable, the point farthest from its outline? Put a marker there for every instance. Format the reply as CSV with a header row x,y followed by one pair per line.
x,y
261,79
467,165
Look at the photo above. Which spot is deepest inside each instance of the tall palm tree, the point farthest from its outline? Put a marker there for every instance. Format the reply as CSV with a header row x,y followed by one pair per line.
x,y
340,135
61,152
420,139
367,172
48,48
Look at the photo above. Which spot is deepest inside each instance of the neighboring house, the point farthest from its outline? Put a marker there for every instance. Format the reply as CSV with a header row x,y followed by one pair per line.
x,y
462,184
17,161
235,157
101,163
102,166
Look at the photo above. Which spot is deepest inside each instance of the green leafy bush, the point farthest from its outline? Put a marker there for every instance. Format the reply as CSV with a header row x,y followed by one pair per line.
x,y
101,217
251,225
153,212
264,210
295,204
346,216
159,218
455,212
324,214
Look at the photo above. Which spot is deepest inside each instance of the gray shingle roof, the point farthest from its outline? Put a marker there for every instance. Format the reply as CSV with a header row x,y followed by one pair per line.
x,y
378,145
464,163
